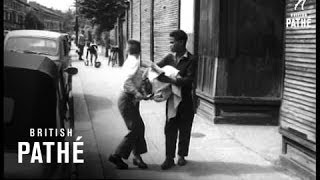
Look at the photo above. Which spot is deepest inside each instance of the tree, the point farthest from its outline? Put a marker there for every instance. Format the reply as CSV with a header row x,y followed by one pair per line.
x,y
68,18
88,31
103,12
32,21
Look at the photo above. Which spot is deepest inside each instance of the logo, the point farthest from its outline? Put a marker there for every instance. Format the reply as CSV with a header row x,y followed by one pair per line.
x,y
39,154
298,20
302,4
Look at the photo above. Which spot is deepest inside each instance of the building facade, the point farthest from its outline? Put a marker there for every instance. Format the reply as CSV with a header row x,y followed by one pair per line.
x,y
239,78
298,109
52,20
14,12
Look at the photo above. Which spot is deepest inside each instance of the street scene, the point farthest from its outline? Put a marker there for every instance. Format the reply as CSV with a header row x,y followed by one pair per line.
x,y
159,89
216,152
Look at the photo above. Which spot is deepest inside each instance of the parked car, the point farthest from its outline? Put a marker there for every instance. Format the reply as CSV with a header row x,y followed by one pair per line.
x,y
49,44
32,99
37,87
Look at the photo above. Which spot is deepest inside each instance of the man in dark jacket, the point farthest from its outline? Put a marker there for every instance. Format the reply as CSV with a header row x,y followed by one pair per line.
x,y
81,43
185,62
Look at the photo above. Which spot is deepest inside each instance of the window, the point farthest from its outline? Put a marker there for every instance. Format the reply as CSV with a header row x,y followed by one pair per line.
x,y
37,45
20,19
7,16
14,17
17,18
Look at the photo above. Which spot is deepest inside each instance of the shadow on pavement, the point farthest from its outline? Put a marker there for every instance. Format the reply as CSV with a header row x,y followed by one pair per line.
x,y
27,170
97,103
198,168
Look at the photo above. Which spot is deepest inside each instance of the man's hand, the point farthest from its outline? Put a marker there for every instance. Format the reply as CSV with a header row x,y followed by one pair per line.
x,y
139,96
166,79
148,97
153,65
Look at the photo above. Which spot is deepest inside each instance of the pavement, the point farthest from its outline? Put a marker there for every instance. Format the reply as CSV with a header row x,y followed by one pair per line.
x,y
221,152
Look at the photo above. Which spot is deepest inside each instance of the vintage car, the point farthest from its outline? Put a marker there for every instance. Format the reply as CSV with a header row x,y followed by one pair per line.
x,y
54,46
37,89
32,100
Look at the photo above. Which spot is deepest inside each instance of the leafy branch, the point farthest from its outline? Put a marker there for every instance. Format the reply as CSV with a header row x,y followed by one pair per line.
x,y
103,13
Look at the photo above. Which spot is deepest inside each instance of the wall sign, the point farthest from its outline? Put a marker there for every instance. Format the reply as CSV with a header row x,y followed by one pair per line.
x,y
299,18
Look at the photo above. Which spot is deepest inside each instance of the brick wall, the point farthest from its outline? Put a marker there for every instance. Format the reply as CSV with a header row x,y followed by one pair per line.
x,y
136,19
145,29
166,19
129,22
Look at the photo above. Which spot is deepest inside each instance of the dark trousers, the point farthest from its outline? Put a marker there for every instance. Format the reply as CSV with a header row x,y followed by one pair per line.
x,y
80,51
134,141
95,54
87,52
182,123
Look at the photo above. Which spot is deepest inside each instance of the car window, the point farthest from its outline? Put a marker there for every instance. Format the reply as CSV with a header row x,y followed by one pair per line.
x,y
32,44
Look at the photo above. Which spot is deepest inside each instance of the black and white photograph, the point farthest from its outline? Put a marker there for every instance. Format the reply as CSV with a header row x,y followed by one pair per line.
x,y
159,89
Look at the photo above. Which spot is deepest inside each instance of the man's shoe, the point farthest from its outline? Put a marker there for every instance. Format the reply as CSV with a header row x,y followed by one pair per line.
x,y
167,164
118,162
140,163
181,161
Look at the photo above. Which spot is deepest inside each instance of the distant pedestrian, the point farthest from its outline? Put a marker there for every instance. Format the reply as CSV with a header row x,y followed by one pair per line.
x,y
69,39
134,90
81,44
93,51
87,45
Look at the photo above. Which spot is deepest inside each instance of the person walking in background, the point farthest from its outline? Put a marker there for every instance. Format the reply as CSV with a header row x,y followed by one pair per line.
x,y
185,62
93,51
87,45
81,44
134,90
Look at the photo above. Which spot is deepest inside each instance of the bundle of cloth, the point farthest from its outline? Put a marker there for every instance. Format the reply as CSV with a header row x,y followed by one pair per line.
x,y
165,91
147,83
